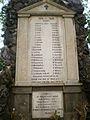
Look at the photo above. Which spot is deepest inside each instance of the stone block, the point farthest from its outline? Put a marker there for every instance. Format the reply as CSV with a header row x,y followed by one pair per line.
x,y
22,105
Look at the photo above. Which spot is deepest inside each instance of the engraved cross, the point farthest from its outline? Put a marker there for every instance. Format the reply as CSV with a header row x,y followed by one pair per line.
x,y
46,6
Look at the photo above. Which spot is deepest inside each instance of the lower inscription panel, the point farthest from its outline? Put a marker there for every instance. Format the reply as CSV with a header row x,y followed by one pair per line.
x,y
45,103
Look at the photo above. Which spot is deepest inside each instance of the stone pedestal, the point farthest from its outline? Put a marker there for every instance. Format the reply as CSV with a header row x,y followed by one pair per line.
x,y
23,99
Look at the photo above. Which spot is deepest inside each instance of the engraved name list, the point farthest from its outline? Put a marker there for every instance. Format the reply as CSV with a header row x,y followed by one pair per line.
x,y
46,50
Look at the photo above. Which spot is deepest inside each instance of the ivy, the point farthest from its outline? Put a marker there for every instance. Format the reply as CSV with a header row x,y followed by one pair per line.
x,y
1,64
3,14
3,17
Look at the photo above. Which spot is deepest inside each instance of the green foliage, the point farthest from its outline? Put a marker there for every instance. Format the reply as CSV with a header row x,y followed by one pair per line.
x,y
55,116
3,1
80,111
14,115
88,21
87,14
1,64
3,17
89,55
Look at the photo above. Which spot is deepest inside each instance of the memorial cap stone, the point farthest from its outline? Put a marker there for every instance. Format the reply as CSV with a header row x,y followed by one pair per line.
x,y
46,7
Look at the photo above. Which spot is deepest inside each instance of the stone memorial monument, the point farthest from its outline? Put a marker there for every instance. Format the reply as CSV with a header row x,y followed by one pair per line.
x,y
45,60
47,78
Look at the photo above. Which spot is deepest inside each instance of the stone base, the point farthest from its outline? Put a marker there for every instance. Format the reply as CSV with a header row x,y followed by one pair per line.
x,y
72,96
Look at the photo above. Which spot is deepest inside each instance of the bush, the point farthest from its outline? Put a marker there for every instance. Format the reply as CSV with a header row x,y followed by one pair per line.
x,y
55,116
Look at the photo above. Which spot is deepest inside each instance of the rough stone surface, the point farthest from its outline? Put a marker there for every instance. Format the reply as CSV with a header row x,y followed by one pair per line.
x,y
7,76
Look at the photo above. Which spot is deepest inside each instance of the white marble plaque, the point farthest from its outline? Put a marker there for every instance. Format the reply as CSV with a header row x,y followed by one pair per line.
x,y
45,103
46,53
